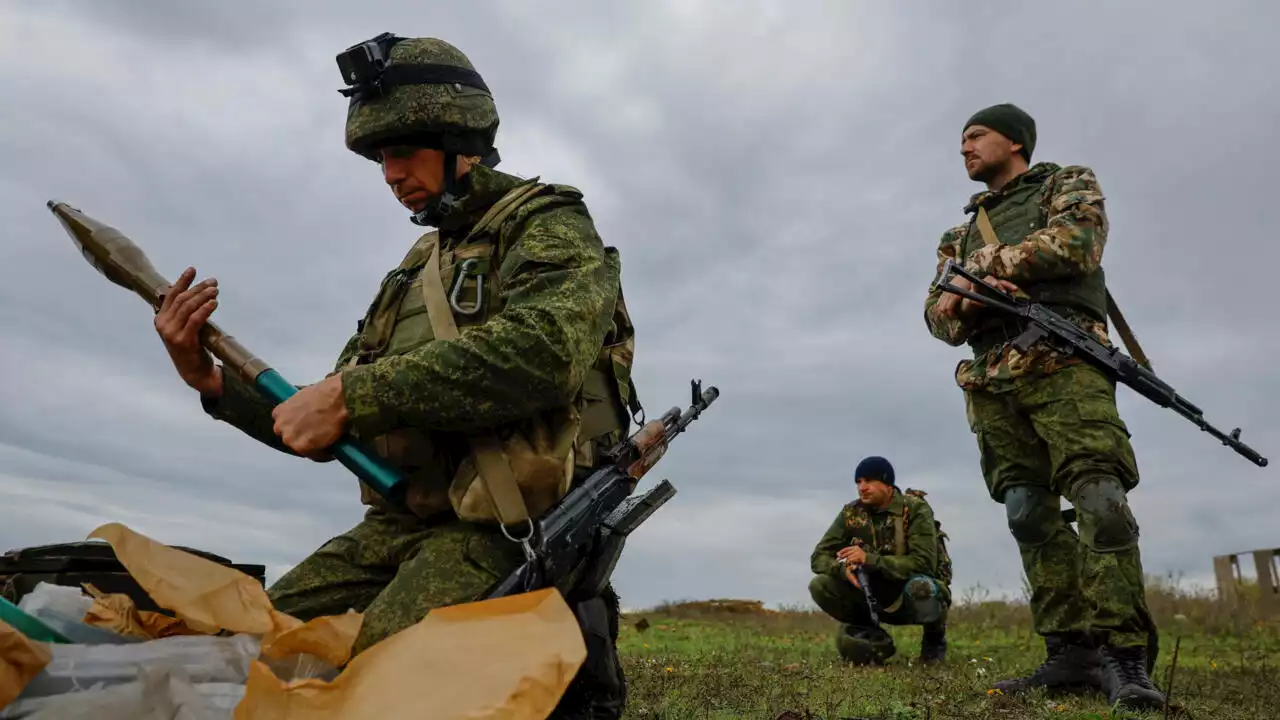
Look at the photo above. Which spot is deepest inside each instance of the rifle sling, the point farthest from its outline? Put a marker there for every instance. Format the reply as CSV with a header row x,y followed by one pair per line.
x,y
1113,311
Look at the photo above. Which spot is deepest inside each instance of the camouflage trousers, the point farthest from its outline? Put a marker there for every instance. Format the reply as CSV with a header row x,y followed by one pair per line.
x,y
922,602
1041,439
395,570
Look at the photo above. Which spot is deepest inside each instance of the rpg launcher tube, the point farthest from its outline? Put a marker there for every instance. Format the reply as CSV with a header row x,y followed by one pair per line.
x,y
123,263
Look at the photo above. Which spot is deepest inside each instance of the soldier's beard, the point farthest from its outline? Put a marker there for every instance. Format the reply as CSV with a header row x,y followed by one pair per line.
x,y
985,172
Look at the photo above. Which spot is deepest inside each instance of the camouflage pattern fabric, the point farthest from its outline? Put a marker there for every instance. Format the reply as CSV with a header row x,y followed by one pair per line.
x,y
1070,242
920,602
559,288
395,570
1063,433
422,109
887,571
558,291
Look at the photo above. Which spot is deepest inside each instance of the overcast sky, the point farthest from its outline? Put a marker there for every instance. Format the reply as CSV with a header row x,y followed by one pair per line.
x,y
776,176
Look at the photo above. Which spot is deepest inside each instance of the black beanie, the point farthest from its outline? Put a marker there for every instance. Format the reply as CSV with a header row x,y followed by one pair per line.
x,y
875,468
1010,121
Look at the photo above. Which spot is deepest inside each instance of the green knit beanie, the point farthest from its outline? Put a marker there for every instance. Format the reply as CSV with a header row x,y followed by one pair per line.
x,y
1010,121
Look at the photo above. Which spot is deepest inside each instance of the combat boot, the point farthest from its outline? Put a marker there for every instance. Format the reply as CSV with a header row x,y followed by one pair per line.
x,y
1072,664
1125,678
933,644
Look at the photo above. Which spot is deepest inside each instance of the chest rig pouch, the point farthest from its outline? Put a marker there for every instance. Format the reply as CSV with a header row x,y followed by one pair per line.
x,y
510,474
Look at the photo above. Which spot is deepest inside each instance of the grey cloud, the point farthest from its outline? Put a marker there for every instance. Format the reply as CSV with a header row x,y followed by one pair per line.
x,y
776,177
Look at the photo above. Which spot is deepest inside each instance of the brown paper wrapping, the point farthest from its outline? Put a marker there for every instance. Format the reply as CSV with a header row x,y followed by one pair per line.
x,y
21,659
118,613
508,658
207,596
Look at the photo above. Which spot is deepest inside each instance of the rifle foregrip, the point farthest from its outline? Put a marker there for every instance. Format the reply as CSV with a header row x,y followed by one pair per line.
x,y
383,479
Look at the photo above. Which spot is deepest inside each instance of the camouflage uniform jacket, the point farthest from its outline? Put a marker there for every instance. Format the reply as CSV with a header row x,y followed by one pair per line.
x,y
1065,244
559,292
888,565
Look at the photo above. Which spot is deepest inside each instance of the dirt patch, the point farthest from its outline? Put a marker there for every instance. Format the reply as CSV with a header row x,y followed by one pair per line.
x,y
720,607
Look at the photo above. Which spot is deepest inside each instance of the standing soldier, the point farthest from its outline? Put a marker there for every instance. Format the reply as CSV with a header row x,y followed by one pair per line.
x,y
893,537
1046,423
499,349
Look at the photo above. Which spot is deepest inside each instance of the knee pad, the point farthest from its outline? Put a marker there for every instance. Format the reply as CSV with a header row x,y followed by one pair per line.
x,y
1106,523
1033,518
926,605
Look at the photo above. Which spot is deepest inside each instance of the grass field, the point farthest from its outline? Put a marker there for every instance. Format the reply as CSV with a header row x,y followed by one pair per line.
x,y
736,660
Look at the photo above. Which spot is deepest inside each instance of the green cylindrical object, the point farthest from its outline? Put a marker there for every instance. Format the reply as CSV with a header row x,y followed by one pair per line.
x,y
28,625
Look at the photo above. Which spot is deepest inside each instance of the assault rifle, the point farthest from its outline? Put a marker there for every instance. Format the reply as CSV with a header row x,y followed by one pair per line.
x,y
1041,323
586,529
873,605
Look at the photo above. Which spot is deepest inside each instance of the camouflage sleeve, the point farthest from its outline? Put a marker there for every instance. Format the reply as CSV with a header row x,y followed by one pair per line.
x,y
559,288
1070,244
922,548
242,407
949,330
823,560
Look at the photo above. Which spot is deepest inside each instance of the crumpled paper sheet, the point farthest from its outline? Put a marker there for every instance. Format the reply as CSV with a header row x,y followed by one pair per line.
x,y
118,613
207,596
21,659
508,658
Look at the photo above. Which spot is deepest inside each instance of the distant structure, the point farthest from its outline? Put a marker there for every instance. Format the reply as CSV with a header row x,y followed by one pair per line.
x,y
1226,569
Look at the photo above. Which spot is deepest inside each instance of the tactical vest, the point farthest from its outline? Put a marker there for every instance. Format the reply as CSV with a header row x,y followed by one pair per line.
x,y
1021,211
860,516
439,290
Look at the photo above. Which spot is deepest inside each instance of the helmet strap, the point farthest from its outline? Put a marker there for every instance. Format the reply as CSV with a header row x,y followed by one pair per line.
x,y
446,203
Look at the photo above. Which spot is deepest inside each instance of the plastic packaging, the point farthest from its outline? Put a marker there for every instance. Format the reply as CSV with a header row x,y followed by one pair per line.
x,y
63,608
159,693
202,658
301,666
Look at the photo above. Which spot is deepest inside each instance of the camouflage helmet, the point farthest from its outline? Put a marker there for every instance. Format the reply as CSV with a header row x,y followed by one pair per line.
x,y
419,91
864,645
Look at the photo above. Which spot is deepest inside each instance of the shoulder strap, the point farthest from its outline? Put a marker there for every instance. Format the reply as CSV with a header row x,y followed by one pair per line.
x,y
494,470
900,532
1113,310
502,209
985,229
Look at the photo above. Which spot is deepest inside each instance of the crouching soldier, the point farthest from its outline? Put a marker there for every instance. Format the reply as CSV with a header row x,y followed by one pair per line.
x,y
893,538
